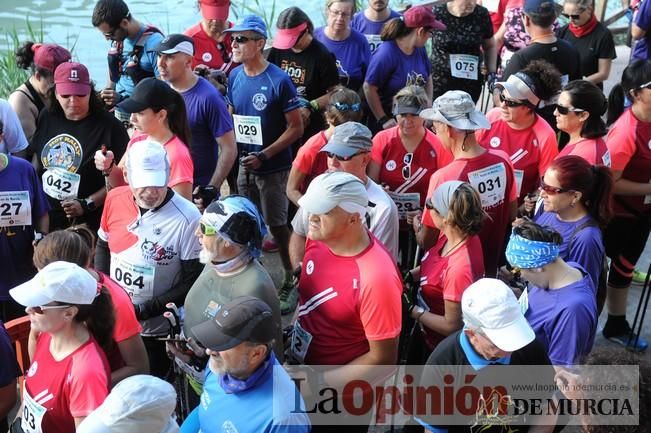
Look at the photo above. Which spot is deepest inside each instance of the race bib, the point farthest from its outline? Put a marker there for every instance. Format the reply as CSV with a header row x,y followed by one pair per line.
x,y
248,129
406,202
137,280
490,183
523,300
606,158
60,184
491,5
464,66
32,416
506,58
301,340
15,209
519,175
374,41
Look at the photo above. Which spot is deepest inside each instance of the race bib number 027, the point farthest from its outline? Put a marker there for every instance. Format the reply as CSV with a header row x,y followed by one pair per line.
x,y
15,209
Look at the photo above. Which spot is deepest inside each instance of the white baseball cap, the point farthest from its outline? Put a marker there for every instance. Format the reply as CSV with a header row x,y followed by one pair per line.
x,y
490,305
57,282
147,164
137,404
331,189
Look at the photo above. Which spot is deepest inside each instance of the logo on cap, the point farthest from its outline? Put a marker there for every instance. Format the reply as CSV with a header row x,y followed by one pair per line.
x,y
73,75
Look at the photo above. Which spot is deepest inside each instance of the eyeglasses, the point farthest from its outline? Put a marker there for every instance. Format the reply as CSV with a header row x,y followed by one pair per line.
x,y
343,158
565,110
207,230
406,169
112,33
429,205
339,13
552,190
510,102
41,308
240,39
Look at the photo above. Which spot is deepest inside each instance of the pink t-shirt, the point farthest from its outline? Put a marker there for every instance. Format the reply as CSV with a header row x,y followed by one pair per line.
x,y
310,160
593,150
181,166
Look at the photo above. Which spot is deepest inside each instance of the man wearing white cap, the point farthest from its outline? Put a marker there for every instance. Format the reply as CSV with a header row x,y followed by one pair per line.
x,y
147,243
495,332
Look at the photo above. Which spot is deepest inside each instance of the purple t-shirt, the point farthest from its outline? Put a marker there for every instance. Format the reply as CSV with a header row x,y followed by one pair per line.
x,y
371,29
587,247
564,320
353,55
16,241
642,49
391,70
209,118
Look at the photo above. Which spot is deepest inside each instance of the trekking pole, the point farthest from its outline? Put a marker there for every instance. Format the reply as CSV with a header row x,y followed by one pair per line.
x,y
179,379
644,300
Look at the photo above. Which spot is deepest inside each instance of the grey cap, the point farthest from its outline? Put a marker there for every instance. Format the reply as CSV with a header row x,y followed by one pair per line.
x,y
348,139
332,189
457,109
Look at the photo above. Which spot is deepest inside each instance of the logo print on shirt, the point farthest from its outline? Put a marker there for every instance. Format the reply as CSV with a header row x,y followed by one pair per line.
x,y
152,251
495,142
535,142
62,151
229,427
32,369
309,268
206,57
390,165
259,101
415,79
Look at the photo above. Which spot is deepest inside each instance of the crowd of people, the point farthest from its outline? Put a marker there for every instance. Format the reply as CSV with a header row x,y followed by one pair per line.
x,y
410,225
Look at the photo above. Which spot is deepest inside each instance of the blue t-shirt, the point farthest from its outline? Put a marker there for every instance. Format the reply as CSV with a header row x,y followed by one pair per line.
x,y
371,29
264,99
565,319
353,55
391,70
16,241
642,49
587,247
268,407
208,118
125,84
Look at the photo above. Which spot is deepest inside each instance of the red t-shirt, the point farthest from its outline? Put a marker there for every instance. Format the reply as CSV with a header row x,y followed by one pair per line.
x,y
389,153
445,278
629,144
208,51
58,391
181,165
491,174
593,150
345,302
126,323
310,160
531,150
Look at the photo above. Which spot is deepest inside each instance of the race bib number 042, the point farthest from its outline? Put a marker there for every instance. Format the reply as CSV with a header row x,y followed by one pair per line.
x,y
61,184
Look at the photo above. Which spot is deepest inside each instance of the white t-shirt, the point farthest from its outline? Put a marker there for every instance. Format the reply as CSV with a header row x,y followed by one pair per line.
x,y
14,138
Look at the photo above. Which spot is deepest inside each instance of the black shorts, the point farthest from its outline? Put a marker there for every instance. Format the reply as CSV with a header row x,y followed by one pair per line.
x,y
625,239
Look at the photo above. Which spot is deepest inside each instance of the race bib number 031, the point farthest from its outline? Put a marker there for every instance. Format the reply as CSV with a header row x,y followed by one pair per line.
x,y
60,184
248,129
490,183
464,66
15,209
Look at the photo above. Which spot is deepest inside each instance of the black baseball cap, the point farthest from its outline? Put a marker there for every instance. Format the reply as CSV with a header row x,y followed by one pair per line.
x,y
149,93
243,319
176,43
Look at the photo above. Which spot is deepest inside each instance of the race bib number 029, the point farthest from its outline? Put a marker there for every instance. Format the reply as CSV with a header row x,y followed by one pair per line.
x,y
490,183
464,66
248,129
60,184
15,209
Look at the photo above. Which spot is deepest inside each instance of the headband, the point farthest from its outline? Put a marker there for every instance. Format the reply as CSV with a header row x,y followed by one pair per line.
x,y
527,254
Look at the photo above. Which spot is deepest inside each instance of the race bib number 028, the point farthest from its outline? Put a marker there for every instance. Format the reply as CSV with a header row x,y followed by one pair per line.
x,y
15,209
464,66
490,183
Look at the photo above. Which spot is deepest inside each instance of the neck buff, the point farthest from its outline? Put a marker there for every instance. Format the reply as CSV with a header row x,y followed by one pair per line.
x,y
232,385
237,262
527,254
585,29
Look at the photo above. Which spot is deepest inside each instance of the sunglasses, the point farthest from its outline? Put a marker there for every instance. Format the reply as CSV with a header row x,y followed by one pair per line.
x,y
510,102
207,230
343,158
41,308
406,169
240,39
565,110
573,16
552,190
645,86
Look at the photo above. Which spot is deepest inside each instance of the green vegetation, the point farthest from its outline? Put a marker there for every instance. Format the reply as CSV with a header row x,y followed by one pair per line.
x,y
11,76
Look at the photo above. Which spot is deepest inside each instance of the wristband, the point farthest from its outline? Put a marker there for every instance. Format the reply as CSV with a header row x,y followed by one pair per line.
x,y
260,155
314,105
384,119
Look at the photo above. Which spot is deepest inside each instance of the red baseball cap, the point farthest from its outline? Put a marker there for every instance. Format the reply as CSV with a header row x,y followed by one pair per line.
x,y
49,56
287,38
72,78
421,16
215,9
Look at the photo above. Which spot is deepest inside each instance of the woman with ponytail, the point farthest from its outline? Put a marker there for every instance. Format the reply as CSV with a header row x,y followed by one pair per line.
x,y
32,96
576,203
578,113
69,376
628,143
124,349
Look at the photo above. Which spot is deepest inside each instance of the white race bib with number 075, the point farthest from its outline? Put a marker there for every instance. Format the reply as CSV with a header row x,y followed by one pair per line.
x,y
490,183
248,129
60,184
137,280
15,209
464,66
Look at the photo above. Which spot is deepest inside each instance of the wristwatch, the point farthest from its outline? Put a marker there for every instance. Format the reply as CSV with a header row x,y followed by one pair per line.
x,y
260,155
419,312
88,204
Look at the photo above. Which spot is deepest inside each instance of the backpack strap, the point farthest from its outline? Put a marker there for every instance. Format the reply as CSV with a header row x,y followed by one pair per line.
x,y
589,223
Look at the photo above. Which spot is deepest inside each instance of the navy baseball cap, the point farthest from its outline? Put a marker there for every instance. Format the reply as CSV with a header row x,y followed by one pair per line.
x,y
250,22
541,7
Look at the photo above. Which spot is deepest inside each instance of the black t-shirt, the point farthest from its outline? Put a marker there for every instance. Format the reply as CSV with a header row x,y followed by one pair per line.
x,y
450,353
72,145
313,71
560,54
596,45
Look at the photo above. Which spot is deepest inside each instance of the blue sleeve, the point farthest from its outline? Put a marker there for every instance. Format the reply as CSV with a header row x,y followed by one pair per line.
x,y
367,57
191,423
40,205
643,17
380,67
588,251
150,45
218,117
10,369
